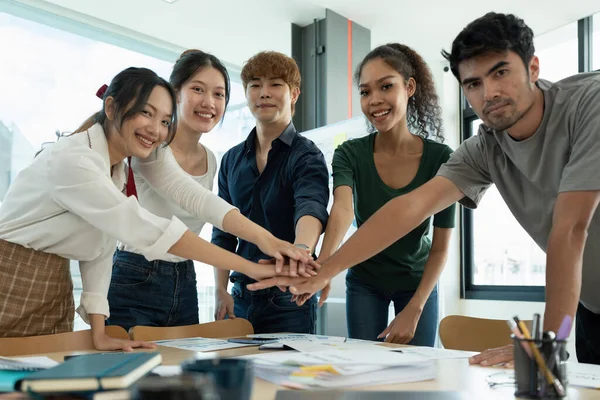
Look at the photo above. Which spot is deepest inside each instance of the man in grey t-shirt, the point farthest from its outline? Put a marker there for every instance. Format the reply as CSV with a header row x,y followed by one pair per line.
x,y
540,145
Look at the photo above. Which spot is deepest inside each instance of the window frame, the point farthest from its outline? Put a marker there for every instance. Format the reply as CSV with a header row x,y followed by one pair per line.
x,y
468,289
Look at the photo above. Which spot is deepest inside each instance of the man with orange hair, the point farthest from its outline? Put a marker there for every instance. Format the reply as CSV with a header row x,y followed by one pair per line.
x,y
279,180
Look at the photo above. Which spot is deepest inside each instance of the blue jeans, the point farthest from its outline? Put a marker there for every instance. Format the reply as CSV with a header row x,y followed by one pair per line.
x,y
151,293
367,311
587,336
271,310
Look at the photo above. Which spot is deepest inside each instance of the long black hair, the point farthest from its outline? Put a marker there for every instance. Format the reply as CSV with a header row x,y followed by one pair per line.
x,y
132,88
189,62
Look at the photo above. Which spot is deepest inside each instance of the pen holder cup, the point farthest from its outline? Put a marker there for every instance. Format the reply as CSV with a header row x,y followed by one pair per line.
x,y
233,377
530,379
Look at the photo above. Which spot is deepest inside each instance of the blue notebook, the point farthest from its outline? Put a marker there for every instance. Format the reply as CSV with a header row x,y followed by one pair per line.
x,y
92,372
11,371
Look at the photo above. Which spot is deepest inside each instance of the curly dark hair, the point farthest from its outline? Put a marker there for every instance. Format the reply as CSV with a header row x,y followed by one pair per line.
x,y
491,33
423,114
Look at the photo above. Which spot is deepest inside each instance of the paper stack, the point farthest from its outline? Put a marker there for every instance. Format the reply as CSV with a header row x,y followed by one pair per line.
x,y
342,368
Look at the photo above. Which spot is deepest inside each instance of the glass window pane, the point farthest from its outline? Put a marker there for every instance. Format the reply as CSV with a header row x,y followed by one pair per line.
x,y
49,78
596,42
503,253
557,51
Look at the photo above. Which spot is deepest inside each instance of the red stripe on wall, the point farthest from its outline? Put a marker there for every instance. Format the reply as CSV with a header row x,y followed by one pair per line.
x,y
349,69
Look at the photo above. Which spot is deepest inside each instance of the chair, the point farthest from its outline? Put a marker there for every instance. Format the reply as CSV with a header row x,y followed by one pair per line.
x,y
217,329
68,341
458,332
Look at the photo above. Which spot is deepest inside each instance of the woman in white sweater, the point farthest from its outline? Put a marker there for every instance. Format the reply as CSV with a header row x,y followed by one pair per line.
x,y
177,180
68,204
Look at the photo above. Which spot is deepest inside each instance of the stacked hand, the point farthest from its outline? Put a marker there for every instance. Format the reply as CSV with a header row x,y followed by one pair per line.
x,y
303,288
288,259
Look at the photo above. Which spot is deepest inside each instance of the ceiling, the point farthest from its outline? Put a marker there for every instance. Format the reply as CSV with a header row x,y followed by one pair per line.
x,y
431,25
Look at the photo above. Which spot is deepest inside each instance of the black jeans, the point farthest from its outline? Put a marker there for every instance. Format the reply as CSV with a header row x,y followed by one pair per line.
x,y
587,336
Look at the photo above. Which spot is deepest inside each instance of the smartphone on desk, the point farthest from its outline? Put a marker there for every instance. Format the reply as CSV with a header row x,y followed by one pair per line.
x,y
253,340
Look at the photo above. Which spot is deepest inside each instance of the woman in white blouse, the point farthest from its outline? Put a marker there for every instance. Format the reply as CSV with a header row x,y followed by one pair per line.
x,y
68,204
163,292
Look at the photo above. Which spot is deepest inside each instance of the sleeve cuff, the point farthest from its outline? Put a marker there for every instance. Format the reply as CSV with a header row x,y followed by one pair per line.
x,y
92,303
472,197
220,213
170,236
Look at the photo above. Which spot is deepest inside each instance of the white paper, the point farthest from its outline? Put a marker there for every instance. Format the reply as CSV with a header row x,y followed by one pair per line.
x,y
309,346
302,336
339,358
583,375
33,362
201,344
167,370
381,376
433,353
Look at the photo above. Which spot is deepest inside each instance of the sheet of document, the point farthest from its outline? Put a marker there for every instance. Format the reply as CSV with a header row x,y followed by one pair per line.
x,y
340,358
310,346
302,336
379,376
584,375
200,344
27,362
434,353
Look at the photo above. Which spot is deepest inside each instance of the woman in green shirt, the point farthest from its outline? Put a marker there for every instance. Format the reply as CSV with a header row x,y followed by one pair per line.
x,y
399,101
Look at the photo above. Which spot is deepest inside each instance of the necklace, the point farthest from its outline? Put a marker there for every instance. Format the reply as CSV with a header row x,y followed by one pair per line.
x,y
89,140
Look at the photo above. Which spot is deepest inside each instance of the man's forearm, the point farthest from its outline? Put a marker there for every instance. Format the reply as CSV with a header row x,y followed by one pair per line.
x,y
308,230
392,221
563,275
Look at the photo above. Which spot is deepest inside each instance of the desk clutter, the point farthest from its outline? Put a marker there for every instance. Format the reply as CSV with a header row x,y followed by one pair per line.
x,y
312,364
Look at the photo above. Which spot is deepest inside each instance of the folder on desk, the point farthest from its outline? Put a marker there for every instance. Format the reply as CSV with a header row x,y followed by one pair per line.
x,y
92,372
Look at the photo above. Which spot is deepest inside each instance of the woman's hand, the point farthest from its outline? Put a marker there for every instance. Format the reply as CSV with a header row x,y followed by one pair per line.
x,y
402,328
299,261
105,342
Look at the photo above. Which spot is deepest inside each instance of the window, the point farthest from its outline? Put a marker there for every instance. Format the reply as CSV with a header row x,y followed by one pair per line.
x,y
500,260
49,78
557,51
503,253
596,42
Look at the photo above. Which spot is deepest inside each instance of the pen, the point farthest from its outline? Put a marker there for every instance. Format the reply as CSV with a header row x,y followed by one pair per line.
x,y
540,361
515,330
536,327
565,328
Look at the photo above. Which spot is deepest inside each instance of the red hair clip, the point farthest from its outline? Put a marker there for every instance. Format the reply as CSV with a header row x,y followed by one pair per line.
x,y
101,91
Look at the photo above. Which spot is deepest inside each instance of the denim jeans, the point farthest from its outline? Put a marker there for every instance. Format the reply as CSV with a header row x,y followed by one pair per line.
x,y
151,293
271,310
367,311
587,336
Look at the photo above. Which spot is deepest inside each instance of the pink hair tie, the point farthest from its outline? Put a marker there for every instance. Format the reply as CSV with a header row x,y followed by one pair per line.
x,y
101,91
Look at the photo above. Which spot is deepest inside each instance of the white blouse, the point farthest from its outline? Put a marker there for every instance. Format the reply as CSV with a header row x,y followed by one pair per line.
x,y
67,203
157,178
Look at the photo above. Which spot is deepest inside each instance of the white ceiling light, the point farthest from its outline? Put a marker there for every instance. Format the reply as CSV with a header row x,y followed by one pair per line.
x,y
170,1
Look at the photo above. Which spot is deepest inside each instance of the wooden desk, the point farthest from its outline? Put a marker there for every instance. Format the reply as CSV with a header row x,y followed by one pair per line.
x,y
452,375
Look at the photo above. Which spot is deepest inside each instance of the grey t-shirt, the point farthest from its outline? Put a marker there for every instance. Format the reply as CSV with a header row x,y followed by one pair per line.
x,y
562,156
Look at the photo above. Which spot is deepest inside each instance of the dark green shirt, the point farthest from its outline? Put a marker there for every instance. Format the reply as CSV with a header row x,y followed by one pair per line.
x,y
400,266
